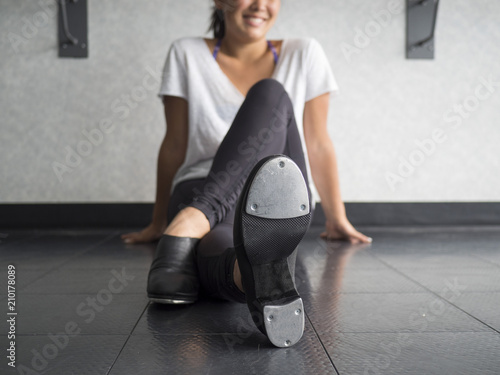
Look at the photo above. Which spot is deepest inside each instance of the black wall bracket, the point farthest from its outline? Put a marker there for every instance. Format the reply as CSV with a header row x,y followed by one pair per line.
x,y
72,28
421,18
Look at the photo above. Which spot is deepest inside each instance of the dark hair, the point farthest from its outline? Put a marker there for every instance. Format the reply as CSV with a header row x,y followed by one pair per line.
x,y
217,23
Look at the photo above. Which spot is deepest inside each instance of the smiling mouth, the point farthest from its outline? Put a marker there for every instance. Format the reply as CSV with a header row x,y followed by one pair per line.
x,y
255,20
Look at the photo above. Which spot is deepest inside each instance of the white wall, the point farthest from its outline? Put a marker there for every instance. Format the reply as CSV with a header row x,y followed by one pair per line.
x,y
386,104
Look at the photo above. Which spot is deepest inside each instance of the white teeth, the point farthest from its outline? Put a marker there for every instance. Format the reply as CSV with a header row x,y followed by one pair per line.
x,y
255,20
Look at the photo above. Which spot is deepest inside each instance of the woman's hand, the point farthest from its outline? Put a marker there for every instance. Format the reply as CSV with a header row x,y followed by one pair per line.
x,y
149,234
343,230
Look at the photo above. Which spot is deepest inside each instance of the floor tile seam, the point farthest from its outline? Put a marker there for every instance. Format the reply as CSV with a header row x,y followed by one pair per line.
x,y
492,268
400,270
104,240
370,252
488,331
494,264
42,235
363,292
350,268
470,291
128,338
192,334
69,232
43,334
321,343
323,244
430,228
92,293
424,292
379,266
317,332
197,334
16,242
444,299
102,268
107,238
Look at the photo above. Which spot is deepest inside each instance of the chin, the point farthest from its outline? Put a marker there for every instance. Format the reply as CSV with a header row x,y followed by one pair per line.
x,y
254,34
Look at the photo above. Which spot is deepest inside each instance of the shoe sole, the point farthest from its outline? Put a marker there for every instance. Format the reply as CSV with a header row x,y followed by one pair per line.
x,y
274,216
170,301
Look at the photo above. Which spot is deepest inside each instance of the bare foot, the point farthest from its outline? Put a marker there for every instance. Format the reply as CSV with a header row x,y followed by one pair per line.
x,y
237,276
189,222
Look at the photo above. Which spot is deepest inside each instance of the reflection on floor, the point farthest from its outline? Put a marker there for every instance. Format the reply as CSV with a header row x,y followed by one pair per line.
x,y
417,301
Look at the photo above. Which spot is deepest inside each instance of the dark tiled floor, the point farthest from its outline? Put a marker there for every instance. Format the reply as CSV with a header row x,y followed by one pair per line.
x,y
417,301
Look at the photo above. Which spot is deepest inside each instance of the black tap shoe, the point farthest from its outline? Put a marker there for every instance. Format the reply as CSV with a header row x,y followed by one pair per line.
x,y
272,216
173,277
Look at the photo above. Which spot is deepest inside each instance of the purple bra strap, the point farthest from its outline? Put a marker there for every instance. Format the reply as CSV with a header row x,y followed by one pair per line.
x,y
217,47
274,51
269,44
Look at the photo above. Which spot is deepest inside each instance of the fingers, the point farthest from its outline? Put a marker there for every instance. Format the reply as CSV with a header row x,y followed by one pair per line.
x,y
354,237
328,237
131,237
363,238
333,236
360,238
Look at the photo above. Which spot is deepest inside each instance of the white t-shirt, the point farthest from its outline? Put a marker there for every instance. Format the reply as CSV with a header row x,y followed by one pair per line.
x,y
192,73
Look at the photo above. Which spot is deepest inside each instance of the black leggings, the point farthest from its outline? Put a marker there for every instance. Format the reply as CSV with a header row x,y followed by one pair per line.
x,y
264,125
